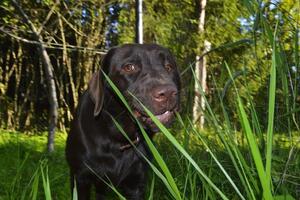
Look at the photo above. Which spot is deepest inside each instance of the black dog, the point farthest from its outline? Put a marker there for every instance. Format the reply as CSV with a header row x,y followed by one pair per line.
x,y
96,150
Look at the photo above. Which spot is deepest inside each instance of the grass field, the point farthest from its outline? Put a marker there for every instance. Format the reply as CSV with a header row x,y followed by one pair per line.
x,y
22,159
24,164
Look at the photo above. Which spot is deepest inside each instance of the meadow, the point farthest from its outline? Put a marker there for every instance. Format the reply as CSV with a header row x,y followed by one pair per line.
x,y
28,172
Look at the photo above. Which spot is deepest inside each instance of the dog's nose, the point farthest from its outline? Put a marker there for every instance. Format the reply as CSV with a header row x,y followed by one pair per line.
x,y
164,92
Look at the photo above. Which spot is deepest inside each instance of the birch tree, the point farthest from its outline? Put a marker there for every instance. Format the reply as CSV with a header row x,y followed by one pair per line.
x,y
49,76
139,21
200,71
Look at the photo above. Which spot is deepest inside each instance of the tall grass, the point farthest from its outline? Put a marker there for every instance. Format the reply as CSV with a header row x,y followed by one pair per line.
x,y
255,173
255,187
27,172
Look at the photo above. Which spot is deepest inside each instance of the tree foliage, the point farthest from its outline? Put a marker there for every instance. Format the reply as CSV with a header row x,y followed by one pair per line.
x,y
77,33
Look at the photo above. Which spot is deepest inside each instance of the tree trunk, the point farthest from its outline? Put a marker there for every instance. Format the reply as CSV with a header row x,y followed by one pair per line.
x,y
139,21
200,85
52,97
200,72
67,63
49,77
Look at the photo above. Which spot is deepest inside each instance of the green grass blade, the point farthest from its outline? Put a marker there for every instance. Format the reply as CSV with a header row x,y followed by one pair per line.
x,y
17,177
46,182
162,165
219,164
234,152
151,192
271,110
35,187
175,192
252,144
74,192
171,138
254,151
165,180
231,147
155,170
110,185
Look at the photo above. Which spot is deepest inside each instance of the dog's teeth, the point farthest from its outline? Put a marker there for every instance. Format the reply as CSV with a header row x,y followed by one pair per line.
x,y
164,116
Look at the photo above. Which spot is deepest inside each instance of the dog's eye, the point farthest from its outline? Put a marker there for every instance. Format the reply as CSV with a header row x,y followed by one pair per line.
x,y
129,68
168,67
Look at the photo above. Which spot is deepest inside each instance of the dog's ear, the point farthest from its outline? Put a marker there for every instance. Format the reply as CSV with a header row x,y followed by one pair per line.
x,y
96,92
96,87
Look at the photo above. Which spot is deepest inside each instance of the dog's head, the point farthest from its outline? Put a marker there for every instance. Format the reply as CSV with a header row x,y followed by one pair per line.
x,y
149,73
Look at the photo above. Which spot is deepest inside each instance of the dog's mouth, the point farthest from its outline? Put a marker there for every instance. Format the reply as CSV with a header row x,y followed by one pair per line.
x,y
165,117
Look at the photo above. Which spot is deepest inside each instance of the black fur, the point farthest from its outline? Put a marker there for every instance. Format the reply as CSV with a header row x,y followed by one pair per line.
x,y
95,149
